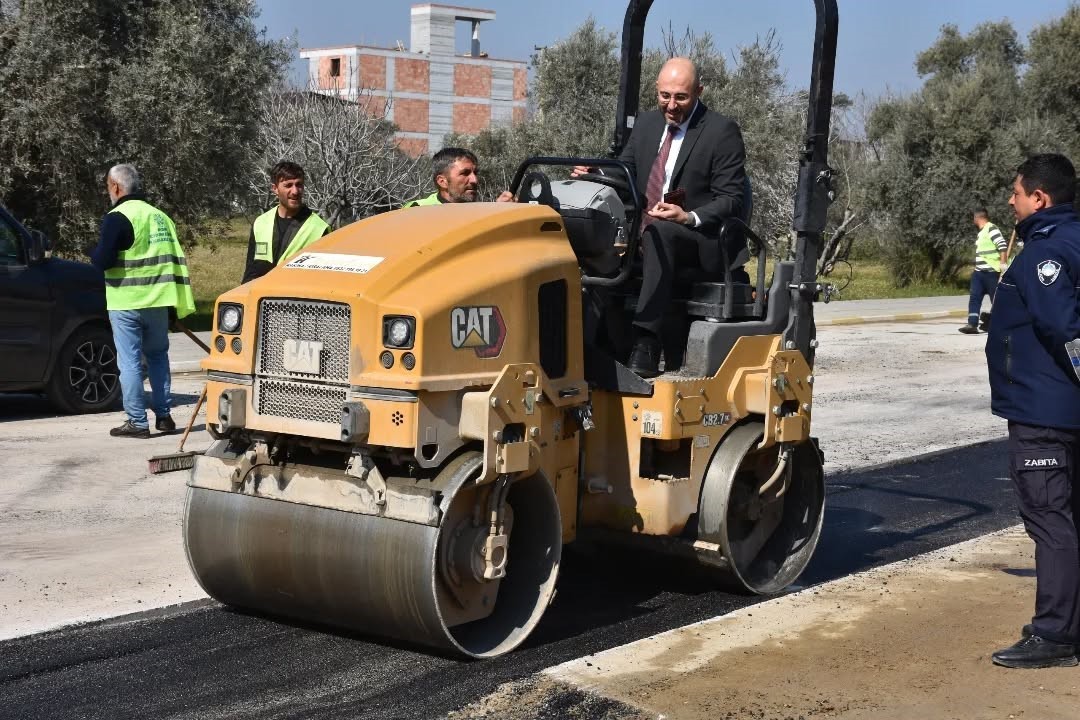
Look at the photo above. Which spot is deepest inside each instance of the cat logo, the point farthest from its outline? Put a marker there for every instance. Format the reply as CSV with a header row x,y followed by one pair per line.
x,y
302,356
480,328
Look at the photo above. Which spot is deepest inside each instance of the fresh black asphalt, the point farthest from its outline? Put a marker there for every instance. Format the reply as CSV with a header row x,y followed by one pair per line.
x,y
201,660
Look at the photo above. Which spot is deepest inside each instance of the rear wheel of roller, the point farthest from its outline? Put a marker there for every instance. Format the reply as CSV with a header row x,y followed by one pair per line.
x,y
767,540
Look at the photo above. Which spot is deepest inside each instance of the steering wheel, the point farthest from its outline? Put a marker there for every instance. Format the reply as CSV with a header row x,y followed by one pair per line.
x,y
536,187
618,184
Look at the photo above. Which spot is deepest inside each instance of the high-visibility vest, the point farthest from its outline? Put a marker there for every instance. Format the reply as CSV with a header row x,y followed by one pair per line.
x,y
312,229
153,272
987,252
432,199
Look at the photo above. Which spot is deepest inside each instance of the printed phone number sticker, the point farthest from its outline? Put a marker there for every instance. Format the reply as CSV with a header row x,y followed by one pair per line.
x,y
335,262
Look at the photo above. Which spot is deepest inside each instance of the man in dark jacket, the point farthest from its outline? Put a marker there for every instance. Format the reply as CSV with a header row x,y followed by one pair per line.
x,y
1034,385
689,170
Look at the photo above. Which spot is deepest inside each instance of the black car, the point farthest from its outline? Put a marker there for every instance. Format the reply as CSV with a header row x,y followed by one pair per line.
x,y
54,330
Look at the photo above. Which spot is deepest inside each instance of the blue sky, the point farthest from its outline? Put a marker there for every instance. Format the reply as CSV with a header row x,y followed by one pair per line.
x,y
878,38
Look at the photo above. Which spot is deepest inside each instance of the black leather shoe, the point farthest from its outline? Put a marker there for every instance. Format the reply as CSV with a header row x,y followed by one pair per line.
x,y
984,321
645,357
165,424
969,330
129,430
1033,651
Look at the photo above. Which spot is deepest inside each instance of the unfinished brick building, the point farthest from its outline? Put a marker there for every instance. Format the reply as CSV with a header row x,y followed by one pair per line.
x,y
431,90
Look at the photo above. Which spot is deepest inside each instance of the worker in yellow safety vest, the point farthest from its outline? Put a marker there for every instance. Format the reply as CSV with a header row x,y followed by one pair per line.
x,y
457,179
146,277
285,229
991,254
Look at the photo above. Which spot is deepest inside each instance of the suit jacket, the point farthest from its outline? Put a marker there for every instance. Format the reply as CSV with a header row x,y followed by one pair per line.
x,y
709,167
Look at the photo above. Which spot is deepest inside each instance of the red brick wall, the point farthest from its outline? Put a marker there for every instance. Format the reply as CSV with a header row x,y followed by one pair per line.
x,y
372,104
521,84
325,80
372,72
472,81
411,75
413,147
471,117
411,115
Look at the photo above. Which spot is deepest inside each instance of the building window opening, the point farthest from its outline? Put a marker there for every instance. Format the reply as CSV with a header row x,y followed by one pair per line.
x,y
335,67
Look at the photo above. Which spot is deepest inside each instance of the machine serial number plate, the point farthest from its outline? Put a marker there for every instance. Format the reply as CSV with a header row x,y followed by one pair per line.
x,y
652,423
303,356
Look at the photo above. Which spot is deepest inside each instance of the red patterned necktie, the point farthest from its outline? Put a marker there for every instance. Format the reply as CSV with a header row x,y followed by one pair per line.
x,y
654,189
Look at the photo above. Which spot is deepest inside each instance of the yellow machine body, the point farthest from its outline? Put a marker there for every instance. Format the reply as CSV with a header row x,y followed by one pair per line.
x,y
423,489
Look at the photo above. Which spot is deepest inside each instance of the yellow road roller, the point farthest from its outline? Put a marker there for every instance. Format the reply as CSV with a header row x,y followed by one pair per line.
x,y
416,413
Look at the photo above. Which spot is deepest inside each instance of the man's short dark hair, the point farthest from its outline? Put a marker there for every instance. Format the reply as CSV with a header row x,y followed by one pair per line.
x,y
285,170
442,160
981,212
1052,173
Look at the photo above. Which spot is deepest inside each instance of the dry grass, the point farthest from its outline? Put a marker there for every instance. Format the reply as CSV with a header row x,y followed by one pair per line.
x,y
214,270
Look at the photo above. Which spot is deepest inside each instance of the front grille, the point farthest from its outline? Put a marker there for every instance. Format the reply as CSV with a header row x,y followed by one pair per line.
x,y
282,320
300,401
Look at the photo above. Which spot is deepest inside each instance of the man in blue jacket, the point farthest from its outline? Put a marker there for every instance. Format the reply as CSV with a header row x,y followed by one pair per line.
x,y
1034,385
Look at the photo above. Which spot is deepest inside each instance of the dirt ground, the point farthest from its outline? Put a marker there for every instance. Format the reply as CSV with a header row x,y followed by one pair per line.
x,y
87,532
905,641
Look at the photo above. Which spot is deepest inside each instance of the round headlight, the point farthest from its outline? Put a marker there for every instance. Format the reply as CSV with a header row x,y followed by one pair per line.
x,y
230,319
398,333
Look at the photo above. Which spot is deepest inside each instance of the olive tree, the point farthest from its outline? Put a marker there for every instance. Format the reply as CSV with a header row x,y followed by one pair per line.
x,y
352,165
166,86
951,146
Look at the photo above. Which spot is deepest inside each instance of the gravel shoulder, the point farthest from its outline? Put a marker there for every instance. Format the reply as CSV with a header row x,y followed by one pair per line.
x,y
907,640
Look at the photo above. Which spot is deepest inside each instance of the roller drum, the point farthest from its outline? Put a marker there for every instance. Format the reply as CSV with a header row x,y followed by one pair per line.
x,y
368,573
766,540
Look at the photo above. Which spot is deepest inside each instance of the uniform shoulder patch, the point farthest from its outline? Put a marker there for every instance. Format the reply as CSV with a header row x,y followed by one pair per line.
x,y
1048,271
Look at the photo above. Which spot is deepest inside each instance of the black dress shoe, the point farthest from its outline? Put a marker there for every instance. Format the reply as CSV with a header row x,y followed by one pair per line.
x,y
1033,651
969,330
645,357
165,424
129,430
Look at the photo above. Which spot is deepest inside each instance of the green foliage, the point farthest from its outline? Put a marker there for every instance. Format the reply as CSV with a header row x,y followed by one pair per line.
x,y
166,86
1052,83
950,147
987,103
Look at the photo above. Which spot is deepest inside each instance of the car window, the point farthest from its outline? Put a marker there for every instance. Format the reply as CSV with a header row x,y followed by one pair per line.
x,y
10,245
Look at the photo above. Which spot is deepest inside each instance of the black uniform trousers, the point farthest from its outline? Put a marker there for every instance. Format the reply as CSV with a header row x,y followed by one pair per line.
x,y
1044,464
667,247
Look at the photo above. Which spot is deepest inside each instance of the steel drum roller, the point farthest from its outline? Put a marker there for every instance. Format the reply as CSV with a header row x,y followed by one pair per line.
x,y
373,574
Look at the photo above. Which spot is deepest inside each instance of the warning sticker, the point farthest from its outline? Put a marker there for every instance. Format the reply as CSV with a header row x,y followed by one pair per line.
x,y
335,262
652,423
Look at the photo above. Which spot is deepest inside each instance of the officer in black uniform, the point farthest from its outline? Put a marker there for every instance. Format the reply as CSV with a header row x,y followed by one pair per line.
x,y
1034,367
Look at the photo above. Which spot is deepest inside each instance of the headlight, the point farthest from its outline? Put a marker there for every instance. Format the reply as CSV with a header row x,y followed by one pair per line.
x,y
398,332
230,318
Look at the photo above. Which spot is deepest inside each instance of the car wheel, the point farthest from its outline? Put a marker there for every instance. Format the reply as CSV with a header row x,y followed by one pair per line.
x,y
85,377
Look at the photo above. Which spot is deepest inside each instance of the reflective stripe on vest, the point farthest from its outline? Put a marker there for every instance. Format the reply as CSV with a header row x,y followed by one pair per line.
x,y
987,254
312,229
432,199
153,272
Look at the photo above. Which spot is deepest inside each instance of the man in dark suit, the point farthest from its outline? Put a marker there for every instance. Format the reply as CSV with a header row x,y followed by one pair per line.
x,y
682,148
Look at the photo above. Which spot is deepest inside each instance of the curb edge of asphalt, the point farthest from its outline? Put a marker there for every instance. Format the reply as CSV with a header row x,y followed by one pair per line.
x,y
896,317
